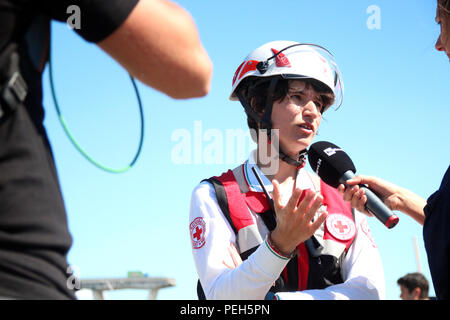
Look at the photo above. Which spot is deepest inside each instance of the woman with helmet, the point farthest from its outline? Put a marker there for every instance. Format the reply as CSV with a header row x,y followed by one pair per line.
x,y
268,228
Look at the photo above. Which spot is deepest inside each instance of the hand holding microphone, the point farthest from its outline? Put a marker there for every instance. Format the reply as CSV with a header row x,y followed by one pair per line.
x,y
395,197
356,195
335,167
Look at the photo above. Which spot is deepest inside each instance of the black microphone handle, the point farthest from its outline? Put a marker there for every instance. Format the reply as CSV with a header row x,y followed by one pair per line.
x,y
374,204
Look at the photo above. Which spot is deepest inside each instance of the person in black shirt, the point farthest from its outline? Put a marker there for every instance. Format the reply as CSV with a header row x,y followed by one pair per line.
x,y
433,214
152,39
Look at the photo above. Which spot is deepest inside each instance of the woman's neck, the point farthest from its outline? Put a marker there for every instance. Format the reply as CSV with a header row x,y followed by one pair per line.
x,y
286,173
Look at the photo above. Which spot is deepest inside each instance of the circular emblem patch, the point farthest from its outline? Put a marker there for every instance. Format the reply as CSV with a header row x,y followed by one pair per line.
x,y
197,229
340,226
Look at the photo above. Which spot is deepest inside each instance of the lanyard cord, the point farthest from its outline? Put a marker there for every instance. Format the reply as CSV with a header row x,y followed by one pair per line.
x,y
77,145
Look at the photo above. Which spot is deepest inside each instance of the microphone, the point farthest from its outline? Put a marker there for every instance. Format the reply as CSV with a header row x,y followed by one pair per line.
x,y
334,167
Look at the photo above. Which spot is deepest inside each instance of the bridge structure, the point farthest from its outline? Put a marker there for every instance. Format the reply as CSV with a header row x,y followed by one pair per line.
x,y
152,284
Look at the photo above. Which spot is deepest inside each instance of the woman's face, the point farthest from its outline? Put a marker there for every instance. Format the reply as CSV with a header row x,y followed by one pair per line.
x,y
443,41
297,117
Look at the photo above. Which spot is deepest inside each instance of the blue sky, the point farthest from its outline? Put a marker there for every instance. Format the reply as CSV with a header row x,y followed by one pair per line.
x,y
393,123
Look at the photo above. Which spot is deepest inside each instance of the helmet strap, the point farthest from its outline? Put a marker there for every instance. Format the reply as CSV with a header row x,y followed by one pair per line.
x,y
267,117
248,109
300,163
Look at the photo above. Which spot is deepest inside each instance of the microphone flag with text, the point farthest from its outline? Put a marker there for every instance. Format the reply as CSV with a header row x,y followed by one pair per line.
x,y
334,167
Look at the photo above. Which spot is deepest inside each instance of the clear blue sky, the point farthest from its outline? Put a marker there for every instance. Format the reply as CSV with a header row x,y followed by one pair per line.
x,y
393,123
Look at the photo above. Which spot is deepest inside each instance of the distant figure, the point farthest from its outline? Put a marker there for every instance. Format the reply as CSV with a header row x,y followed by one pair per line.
x,y
413,286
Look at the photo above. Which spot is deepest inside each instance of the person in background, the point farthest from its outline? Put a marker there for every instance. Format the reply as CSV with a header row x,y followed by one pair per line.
x,y
156,41
433,213
413,286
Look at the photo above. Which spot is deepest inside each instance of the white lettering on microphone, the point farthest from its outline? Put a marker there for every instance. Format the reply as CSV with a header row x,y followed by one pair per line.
x,y
319,162
331,151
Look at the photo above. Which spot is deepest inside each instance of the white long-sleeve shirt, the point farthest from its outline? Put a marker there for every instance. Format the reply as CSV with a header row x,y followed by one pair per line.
x,y
361,268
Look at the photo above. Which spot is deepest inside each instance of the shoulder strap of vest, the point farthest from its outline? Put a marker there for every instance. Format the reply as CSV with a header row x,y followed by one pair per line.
x,y
231,201
235,204
222,199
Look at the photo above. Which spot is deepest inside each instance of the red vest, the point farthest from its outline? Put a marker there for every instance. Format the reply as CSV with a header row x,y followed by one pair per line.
x,y
317,264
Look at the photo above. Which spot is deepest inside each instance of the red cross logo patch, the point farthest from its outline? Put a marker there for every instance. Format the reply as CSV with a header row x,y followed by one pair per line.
x,y
197,229
340,226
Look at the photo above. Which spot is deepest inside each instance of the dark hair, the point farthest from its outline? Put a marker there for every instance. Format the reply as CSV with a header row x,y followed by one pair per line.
x,y
415,280
444,5
255,89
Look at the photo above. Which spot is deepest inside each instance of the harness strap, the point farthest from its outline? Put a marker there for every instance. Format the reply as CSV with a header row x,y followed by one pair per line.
x,y
230,200
222,200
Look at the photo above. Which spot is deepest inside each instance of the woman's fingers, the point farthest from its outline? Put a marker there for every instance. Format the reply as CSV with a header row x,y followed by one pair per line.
x,y
316,203
305,203
291,204
293,200
355,195
349,192
321,219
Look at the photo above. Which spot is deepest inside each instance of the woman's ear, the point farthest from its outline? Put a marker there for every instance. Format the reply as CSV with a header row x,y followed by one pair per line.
x,y
252,103
254,107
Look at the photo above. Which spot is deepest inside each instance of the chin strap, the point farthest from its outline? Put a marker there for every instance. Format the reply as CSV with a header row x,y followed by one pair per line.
x,y
300,163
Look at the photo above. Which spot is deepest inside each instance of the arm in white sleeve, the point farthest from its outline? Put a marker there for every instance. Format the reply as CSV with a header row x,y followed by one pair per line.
x,y
362,272
250,280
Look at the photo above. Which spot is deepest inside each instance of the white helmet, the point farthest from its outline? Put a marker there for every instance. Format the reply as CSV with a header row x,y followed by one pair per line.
x,y
291,60
287,60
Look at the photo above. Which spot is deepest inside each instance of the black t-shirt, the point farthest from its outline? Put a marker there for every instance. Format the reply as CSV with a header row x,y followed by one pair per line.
x,y
34,236
99,17
436,235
